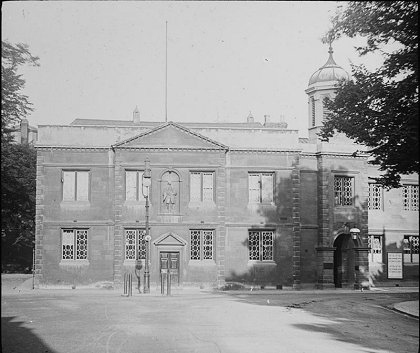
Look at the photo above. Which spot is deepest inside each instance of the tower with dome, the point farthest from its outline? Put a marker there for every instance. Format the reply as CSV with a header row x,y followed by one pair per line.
x,y
322,85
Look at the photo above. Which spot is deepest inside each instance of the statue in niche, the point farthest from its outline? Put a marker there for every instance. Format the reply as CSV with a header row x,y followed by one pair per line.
x,y
169,195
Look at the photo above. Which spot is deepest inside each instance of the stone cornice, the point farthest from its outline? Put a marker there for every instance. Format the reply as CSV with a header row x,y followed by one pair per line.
x,y
79,223
170,149
55,147
333,154
264,150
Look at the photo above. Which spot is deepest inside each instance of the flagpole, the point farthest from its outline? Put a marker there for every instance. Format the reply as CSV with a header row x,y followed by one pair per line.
x,y
166,74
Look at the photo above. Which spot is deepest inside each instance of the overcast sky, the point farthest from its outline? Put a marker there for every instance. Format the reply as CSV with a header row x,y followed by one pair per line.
x,y
102,59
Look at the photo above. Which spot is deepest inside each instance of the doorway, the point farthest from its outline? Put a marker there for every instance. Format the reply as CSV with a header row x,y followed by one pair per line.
x,y
169,262
340,257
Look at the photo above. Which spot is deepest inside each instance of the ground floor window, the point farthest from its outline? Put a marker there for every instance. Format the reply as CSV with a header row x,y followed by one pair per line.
x,y
411,249
201,245
135,244
375,246
74,244
260,244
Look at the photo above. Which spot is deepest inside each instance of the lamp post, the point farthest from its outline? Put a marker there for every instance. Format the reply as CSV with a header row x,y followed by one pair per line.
x,y
354,232
146,182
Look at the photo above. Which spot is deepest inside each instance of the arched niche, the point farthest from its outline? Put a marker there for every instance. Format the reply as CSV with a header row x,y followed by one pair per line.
x,y
170,192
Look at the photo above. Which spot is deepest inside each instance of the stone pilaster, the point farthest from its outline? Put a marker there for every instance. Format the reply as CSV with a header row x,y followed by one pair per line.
x,y
325,267
39,220
362,258
325,253
296,225
221,215
118,231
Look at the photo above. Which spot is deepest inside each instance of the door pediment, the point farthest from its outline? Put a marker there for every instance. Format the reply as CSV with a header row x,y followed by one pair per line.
x,y
169,239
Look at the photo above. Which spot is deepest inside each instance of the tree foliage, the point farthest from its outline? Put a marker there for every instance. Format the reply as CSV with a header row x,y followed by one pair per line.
x,y
18,161
379,108
14,104
18,192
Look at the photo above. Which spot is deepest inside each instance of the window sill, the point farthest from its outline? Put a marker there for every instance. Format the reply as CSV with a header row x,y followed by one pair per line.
x,y
201,263
74,263
132,263
136,203
254,206
202,204
261,263
75,204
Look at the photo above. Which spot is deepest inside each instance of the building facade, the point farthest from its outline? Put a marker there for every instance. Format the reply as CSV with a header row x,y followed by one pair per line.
x,y
229,202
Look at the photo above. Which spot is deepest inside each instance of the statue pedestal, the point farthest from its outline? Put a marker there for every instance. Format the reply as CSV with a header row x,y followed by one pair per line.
x,y
170,218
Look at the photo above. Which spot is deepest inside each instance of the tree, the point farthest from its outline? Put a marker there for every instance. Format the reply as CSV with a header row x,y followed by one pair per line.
x,y
379,109
18,162
18,191
14,104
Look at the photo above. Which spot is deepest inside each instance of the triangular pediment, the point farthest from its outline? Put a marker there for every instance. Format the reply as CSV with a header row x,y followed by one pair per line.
x,y
170,135
170,239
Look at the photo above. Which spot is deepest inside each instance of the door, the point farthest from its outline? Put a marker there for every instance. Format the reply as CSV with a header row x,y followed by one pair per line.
x,y
338,262
169,262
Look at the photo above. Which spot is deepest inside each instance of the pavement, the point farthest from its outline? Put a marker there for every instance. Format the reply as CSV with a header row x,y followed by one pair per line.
x,y
410,308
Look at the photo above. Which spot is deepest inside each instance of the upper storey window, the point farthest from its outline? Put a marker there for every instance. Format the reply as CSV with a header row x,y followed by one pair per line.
x,y
76,185
325,111
313,111
201,186
261,187
343,191
375,201
133,184
410,197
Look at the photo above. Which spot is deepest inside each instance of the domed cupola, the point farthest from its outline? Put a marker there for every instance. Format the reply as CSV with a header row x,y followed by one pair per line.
x,y
329,72
322,84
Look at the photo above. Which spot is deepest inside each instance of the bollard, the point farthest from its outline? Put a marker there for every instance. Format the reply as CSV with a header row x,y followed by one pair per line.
x,y
128,284
33,268
162,283
125,284
168,276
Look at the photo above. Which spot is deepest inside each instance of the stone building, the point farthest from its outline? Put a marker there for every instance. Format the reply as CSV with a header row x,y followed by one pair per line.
x,y
243,202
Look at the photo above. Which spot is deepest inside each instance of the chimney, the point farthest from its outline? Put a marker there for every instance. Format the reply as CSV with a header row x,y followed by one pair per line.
x,y
267,120
250,118
282,123
136,116
24,131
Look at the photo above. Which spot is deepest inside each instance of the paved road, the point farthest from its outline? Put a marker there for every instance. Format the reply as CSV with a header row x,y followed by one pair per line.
x,y
101,321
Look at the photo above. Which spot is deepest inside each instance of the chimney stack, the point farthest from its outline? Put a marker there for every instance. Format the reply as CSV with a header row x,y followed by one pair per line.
x,y
136,116
24,131
250,118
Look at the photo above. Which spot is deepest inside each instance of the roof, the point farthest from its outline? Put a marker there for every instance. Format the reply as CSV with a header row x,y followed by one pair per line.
x,y
330,71
151,124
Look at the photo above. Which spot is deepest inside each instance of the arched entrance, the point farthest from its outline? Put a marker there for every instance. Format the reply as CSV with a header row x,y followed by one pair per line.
x,y
343,259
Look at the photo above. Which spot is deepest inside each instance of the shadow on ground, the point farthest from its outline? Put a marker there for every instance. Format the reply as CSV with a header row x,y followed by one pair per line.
x,y
16,338
364,319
